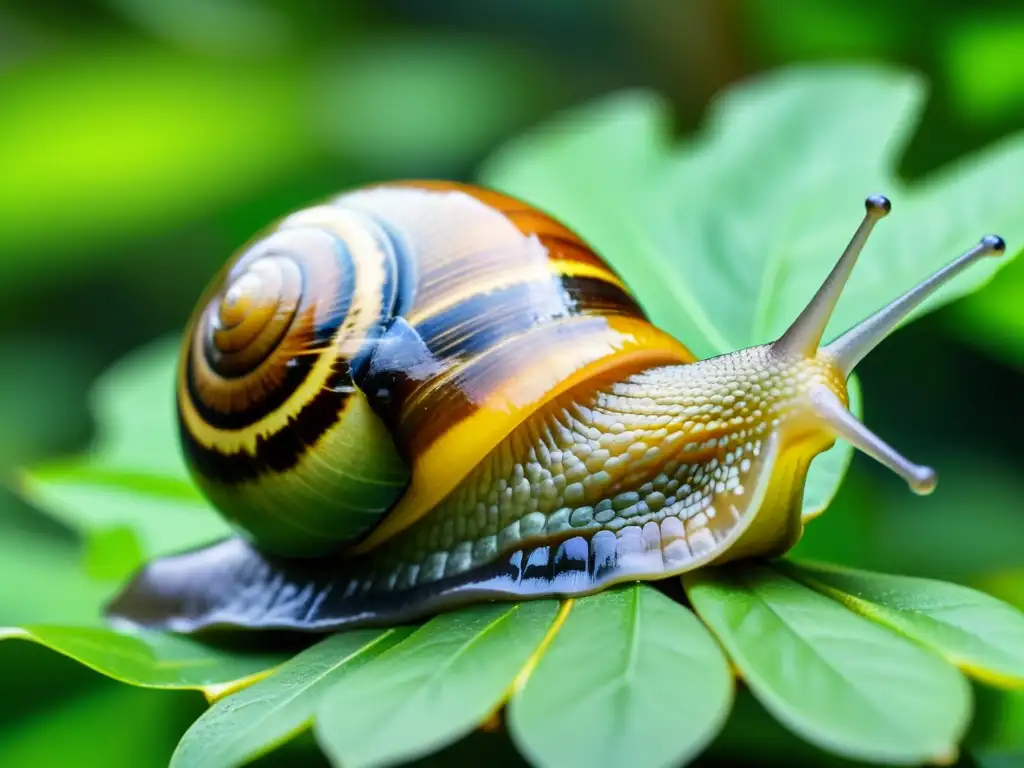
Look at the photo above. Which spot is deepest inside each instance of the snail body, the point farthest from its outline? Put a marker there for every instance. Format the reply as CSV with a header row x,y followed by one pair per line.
x,y
422,394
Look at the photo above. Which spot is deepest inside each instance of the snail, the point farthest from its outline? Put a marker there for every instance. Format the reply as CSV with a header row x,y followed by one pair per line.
x,y
419,395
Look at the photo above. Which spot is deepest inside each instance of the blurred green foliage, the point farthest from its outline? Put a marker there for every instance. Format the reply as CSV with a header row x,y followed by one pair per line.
x,y
141,141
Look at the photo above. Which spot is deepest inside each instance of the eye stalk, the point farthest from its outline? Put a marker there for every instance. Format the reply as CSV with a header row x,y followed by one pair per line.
x,y
803,340
851,347
804,335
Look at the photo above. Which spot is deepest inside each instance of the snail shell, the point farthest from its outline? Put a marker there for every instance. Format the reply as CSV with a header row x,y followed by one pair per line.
x,y
373,349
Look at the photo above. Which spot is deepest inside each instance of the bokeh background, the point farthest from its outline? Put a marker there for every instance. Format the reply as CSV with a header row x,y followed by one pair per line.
x,y
142,141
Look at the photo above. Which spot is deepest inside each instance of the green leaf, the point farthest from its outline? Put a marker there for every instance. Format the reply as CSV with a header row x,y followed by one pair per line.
x,y
647,679
434,687
150,659
979,634
245,725
725,237
838,680
131,497
738,254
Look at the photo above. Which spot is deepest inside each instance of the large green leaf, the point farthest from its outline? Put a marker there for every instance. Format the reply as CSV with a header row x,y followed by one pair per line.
x,y
725,237
46,598
151,659
981,635
243,726
836,679
642,673
725,252
432,688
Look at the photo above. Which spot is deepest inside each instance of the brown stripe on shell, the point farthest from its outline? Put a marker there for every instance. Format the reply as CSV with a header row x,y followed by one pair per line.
x,y
281,450
594,296
232,404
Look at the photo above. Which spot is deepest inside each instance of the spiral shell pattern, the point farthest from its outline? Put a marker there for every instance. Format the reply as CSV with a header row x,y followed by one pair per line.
x,y
272,429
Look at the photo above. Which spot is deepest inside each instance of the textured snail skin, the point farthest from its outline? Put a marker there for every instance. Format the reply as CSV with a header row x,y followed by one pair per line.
x,y
652,476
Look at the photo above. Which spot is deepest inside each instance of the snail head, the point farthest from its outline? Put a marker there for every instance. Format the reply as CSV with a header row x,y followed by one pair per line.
x,y
818,372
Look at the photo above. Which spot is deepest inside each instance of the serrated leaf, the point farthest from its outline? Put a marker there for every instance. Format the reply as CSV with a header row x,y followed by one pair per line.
x,y
835,678
979,634
432,688
241,727
639,670
739,253
150,659
726,236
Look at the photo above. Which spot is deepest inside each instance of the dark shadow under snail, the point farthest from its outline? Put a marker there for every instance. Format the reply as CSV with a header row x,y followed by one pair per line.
x,y
425,394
